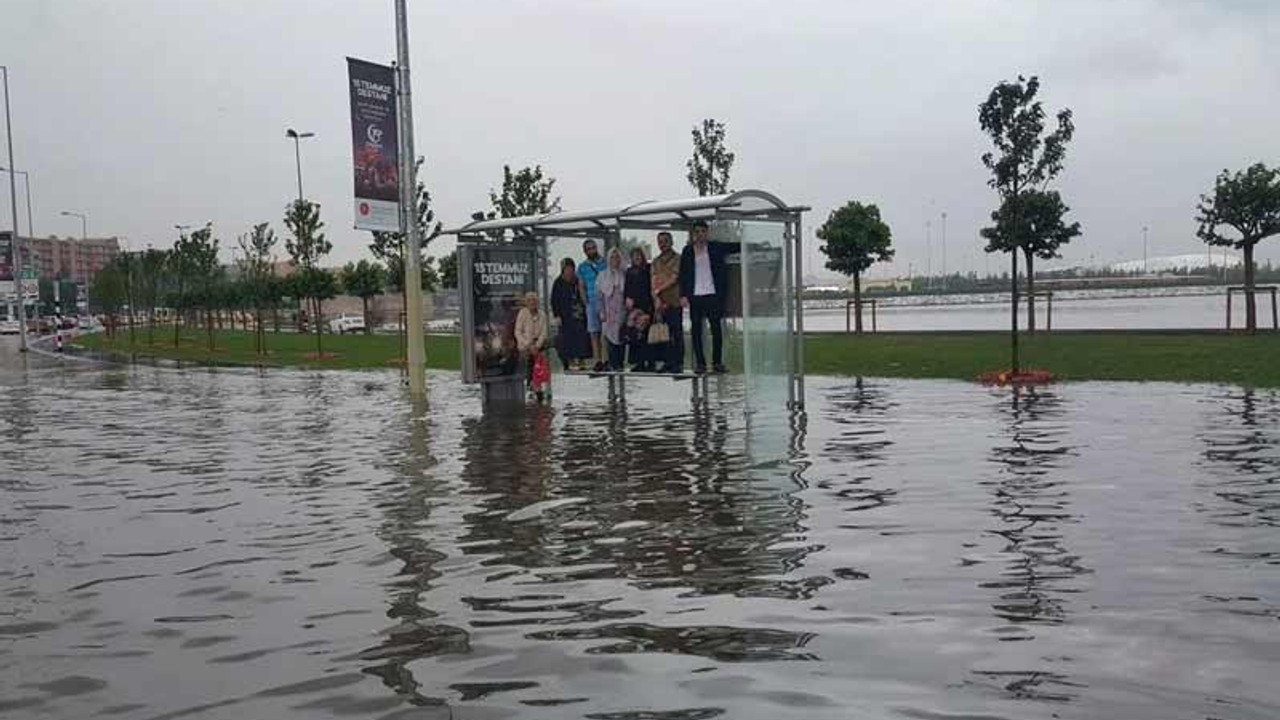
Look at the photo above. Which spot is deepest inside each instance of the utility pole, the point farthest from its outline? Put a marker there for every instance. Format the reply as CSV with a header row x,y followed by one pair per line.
x,y
943,242
1144,249
408,213
15,244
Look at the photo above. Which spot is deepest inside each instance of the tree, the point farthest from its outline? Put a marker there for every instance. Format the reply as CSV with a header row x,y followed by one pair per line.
x,y
183,267
449,271
711,161
257,268
1035,223
1025,159
363,280
109,294
854,239
524,192
1243,209
205,274
151,282
307,247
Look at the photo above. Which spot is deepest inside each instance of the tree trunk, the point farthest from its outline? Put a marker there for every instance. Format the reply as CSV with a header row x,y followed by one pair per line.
x,y
857,303
208,324
177,322
1031,292
1250,307
364,309
1013,309
315,317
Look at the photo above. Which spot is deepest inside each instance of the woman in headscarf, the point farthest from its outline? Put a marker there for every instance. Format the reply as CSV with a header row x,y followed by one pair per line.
x,y
569,305
611,286
639,295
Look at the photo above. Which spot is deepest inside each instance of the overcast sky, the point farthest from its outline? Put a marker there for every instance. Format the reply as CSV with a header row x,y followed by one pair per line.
x,y
147,113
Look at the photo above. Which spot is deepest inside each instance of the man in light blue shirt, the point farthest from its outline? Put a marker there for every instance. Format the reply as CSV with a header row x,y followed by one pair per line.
x,y
588,270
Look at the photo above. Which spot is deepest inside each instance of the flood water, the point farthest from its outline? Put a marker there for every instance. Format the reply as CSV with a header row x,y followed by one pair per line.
x,y
1189,308
229,544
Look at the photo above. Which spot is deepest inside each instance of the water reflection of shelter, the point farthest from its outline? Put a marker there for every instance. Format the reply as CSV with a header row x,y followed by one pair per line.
x,y
765,234
1031,504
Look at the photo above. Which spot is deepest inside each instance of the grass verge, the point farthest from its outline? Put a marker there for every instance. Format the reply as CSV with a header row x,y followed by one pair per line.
x,y
1152,356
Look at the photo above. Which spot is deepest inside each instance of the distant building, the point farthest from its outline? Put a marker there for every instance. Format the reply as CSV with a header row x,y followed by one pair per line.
x,y
74,259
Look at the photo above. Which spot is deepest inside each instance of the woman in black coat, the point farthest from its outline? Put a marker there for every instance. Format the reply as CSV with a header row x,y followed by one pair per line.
x,y
569,305
638,291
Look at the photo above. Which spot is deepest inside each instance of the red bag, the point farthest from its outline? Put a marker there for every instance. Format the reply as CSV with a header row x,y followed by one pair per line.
x,y
541,370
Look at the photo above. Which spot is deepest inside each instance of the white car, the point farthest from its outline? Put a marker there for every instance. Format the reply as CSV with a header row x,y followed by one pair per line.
x,y
10,327
346,324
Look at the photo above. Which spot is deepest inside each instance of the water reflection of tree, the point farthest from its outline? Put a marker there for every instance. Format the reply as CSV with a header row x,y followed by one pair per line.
x,y
1242,455
1031,503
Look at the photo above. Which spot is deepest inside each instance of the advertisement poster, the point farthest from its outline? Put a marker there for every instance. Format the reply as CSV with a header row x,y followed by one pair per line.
x,y
495,279
6,256
375,146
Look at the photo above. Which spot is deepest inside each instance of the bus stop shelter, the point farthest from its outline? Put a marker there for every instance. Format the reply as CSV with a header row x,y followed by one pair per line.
x,y
766,326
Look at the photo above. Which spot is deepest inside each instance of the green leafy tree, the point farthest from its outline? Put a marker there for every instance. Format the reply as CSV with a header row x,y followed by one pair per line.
x,y
449,271
152,279
206,275
1242,209
257,269
1034,222
524,192
363,280
389,248
307,246
109,293
711,162
186,263
854,238
1026,157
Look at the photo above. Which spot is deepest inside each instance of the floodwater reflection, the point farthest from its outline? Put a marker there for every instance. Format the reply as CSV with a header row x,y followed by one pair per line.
x,y
242,544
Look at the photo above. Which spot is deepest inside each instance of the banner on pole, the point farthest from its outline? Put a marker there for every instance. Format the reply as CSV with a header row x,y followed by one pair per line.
x,y
6,255
375,145
494,281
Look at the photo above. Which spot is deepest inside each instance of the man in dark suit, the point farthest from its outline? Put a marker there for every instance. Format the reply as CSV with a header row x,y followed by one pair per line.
x,y
704,282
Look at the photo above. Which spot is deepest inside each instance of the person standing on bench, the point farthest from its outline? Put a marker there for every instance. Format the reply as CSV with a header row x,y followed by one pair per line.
x,y
703,284
639,295
666,297
589,269
611,287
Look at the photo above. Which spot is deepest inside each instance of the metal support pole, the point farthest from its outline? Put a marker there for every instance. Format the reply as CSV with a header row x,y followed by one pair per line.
x,y
799,337
1275,324
15,244
1228,308
789,304
1049,316
413,233
874,304
297,161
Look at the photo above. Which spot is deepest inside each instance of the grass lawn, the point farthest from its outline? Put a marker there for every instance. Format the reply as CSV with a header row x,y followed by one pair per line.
x,y
1171,356
234,347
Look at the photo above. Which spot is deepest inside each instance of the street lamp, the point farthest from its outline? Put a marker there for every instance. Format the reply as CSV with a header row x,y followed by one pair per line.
x,y
297,153
26,179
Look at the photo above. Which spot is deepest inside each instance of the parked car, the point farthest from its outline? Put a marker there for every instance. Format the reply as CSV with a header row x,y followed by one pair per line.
x,y
10,327
346,324
68,322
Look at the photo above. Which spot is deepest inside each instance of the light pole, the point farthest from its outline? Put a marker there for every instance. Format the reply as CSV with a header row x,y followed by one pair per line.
x,y
15,245
26,179
1144,249
942,241
414,335
76,249
297,153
